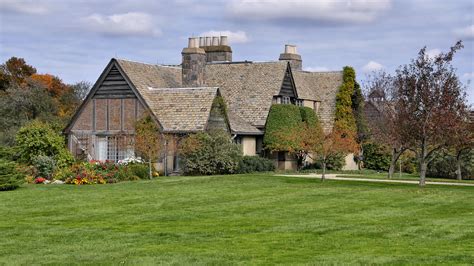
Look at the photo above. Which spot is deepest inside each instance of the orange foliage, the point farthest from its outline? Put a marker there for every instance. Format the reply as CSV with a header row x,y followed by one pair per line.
x,y
53,84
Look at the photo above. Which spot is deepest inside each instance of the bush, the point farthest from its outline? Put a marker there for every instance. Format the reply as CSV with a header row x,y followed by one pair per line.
x,y
443,165
37,138
210,153
10,177
376,157
139,170
44,165
250,164
335,162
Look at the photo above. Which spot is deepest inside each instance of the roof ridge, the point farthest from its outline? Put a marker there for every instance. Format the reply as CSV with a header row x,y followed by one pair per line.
x,y
144,63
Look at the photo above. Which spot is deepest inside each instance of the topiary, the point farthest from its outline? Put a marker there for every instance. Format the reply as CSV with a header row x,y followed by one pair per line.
x,y
10,177
282,122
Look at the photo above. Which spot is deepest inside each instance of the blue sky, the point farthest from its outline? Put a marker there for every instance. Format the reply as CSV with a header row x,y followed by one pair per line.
x,y
76,39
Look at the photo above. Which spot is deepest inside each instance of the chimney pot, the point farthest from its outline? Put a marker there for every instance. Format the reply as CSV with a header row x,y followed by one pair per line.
x,y
215,41
224,40
208,41
290,49
202,41
193,42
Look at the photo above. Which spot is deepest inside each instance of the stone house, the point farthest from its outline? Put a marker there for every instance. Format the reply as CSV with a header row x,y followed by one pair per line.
x,y
180,98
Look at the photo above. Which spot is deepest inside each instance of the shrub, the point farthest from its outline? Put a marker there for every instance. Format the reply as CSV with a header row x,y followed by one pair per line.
x,y
376,157
44,165
139,170
210,153
95,173
443,165
334,162
250,164
38,138
10,177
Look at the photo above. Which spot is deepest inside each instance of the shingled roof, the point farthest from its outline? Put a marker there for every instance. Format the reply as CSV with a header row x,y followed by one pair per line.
x,y
320,86
181,109
247,87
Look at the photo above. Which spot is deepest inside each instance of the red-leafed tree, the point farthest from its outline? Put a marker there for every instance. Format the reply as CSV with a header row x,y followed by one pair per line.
x,y
462,139
429,99
384,122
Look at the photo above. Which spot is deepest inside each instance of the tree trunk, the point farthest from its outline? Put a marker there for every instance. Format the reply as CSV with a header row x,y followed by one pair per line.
x,y
323,176
458,166
149,169
423,167
393,161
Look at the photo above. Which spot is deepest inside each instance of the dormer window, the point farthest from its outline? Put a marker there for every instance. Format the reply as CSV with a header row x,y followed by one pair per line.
x,y
286,100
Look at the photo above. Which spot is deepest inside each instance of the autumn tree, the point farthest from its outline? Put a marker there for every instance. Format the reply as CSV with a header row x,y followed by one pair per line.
x,y
429,99
14,71
148,140
333,143
462,140
384,122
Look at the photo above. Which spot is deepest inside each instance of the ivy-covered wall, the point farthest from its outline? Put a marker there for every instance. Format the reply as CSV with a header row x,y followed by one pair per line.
x,y
344,116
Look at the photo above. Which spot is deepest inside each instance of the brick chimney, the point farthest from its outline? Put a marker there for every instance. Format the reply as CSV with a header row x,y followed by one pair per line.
x,y
217,48
290,55
193,65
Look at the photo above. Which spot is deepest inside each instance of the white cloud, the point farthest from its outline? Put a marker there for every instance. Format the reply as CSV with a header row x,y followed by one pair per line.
x,y
433,53
466,33
234,36
372,66
330,11
468,75
132,23
316,69
25,6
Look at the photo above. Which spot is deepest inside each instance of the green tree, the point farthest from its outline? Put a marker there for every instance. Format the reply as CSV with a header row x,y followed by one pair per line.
x,y
148,141
10,177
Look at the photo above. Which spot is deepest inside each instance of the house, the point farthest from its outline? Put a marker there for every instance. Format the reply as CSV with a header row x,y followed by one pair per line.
x,y
181,99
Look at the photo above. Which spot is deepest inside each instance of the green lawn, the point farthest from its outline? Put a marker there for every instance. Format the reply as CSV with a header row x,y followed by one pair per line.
x,y
247,219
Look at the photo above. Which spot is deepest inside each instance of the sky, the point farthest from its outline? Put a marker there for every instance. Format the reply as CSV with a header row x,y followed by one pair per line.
x,y
75,39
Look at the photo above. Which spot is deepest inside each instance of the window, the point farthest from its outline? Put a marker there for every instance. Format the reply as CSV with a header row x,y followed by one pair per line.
x,y
299,102
286,100
114,148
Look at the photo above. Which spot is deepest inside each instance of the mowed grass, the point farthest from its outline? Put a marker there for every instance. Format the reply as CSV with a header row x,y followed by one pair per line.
x,y
246,219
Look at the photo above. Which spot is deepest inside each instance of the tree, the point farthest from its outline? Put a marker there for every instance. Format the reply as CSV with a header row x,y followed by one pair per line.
x,y
14,71
429,99
10,177
462,139
81,89
384,124
332,144
361,123
19,105
148,140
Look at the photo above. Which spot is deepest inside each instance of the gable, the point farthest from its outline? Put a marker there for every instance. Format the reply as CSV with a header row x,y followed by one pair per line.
x,y
114,85
288,86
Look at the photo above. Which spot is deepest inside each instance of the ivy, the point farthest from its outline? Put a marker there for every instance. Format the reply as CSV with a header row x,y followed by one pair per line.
x,y
344,120
283,120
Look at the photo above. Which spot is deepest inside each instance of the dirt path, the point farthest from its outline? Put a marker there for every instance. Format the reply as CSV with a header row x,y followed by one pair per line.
x,y
340,177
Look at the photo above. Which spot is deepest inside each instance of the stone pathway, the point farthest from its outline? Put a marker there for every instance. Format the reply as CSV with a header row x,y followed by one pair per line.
x,y
341,177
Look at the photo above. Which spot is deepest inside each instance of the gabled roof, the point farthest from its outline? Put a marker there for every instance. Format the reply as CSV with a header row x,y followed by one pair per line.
x,y
181,109
247,87
320,86
240,126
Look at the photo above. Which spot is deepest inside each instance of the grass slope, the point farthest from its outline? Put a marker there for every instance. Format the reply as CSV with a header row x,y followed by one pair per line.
x,y
256,219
